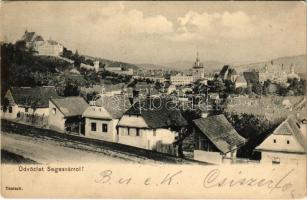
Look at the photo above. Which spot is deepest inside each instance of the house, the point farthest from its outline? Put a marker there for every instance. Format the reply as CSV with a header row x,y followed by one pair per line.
x,y
240,82
144,90
32,39
102,116
150,122
116,67
286,144
49,48
41,46
171,88
28,100
215,140
181,79
65,114
106,89
91,67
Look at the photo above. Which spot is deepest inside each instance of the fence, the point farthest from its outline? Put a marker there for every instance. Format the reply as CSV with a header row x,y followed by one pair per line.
x,y
34,119
166,148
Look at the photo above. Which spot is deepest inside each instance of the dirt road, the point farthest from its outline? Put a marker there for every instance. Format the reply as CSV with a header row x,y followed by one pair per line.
x,y
47,151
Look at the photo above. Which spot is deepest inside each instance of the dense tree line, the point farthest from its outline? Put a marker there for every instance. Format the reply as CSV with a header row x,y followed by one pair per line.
x,y
253,128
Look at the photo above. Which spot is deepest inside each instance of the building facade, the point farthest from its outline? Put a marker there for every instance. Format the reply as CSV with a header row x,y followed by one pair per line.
x,y
91,67
147,123
181,79
66,114
28,101
215,140
49,48
286,144
102,116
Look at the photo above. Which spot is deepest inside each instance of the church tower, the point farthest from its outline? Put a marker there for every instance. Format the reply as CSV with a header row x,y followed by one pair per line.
x,y
198,70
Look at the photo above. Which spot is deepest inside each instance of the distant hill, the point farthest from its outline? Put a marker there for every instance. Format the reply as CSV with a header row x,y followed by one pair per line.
x,y
151,66
210,65
298,62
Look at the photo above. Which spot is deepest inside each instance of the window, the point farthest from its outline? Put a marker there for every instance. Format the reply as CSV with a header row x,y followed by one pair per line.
x,y
123,131
137,132
26,109
54,111
154,132
93,126
288,142
275,160
104,127
274,140
10,109
132,131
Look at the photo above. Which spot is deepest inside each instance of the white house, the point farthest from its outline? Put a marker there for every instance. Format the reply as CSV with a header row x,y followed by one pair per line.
x,y
49,48
102,116
240,82
181,79
286,144
28,100
148,122
171,88
65,114
91,67
215,140
117,68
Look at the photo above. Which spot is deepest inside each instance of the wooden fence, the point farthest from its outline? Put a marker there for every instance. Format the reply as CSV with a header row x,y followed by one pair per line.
x,y
34,119
166,148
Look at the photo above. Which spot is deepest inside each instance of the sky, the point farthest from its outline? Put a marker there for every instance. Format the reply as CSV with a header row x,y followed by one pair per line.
x,y
164,32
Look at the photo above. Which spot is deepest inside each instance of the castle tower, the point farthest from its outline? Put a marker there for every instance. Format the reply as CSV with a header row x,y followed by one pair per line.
x,y
96,65
198,70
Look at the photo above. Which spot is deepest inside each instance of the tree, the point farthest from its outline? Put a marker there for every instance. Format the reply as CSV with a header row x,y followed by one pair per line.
x,y
253,128
282,90
218,85
257,88
71,90
239,90
229,86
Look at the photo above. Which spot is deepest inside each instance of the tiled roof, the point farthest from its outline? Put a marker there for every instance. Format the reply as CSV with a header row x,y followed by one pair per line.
x,y
108,107
158,113
38,38
28,36
25,96
220,132
70,106
52,42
